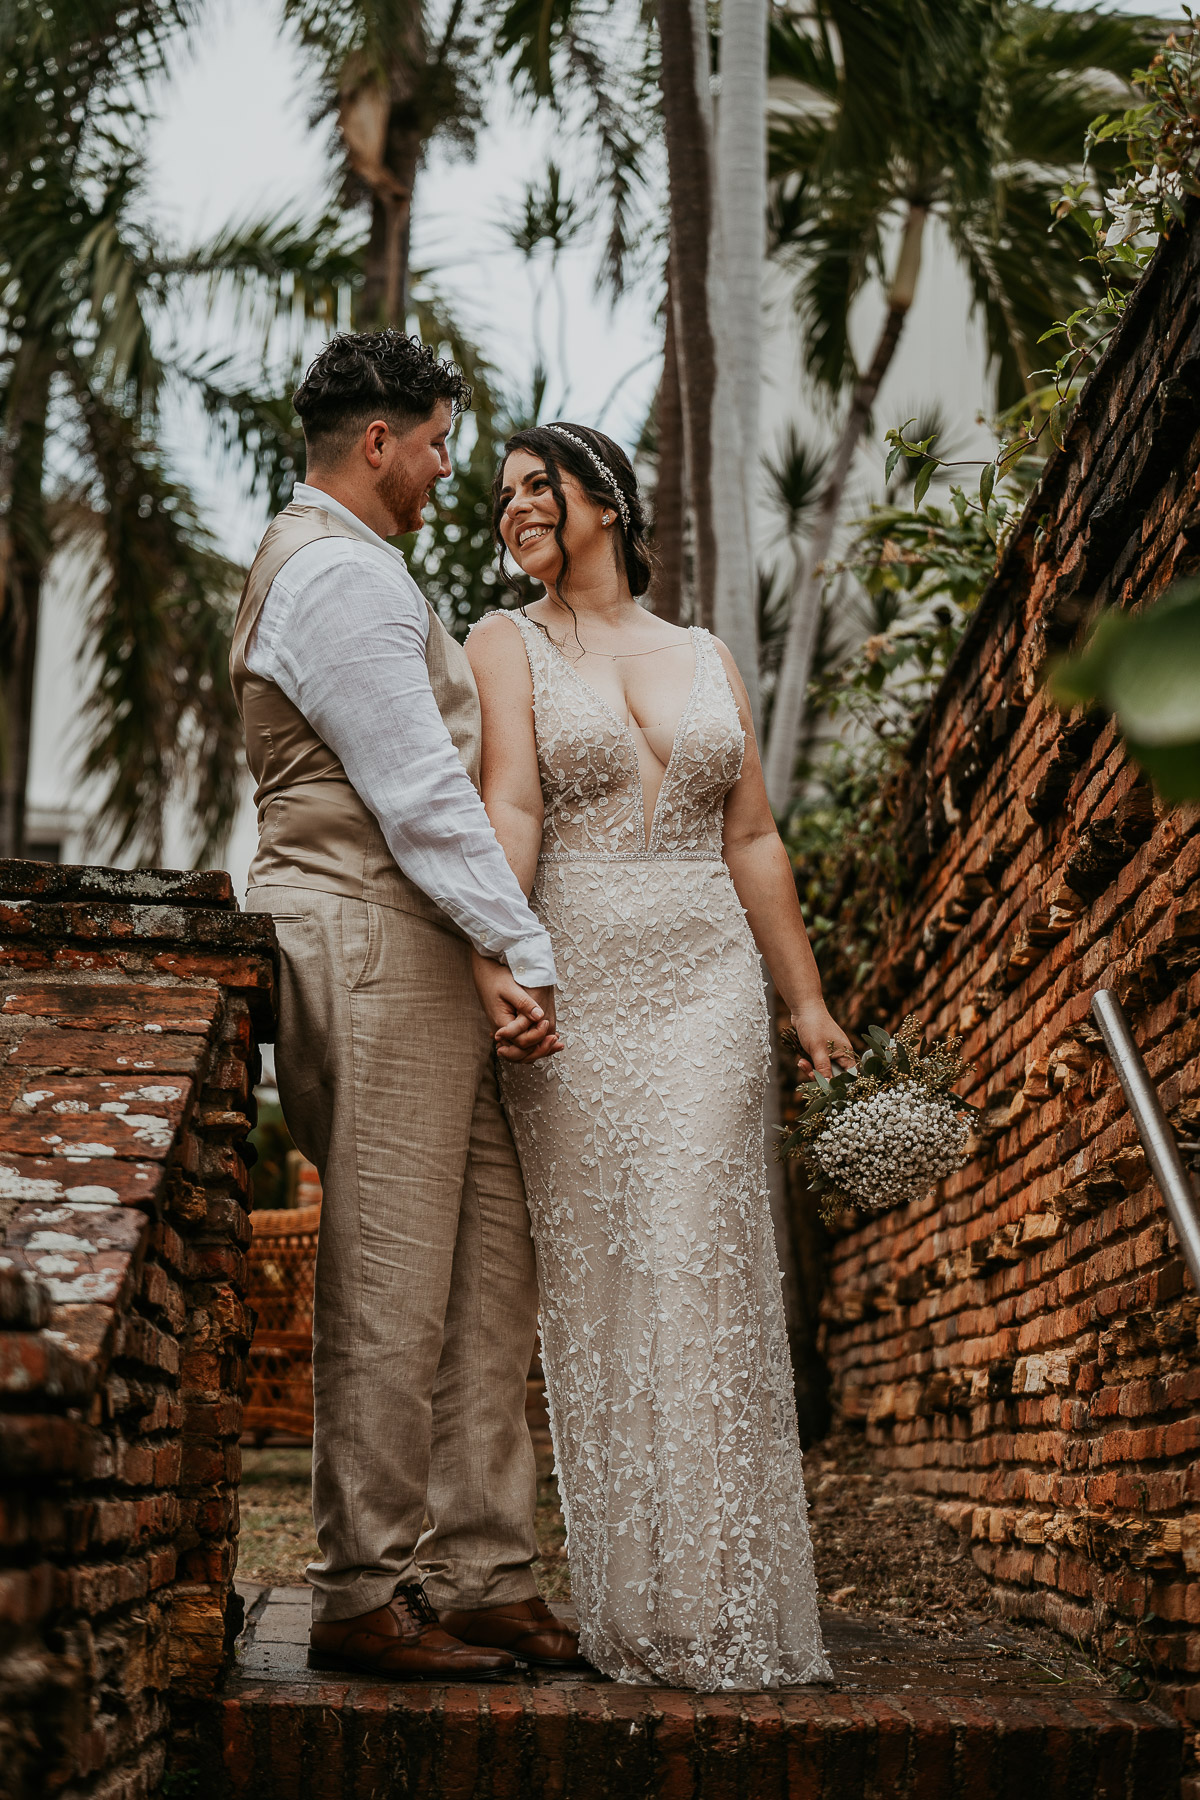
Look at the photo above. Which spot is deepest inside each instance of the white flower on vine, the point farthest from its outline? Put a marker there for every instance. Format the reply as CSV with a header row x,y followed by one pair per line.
x,y
1133,204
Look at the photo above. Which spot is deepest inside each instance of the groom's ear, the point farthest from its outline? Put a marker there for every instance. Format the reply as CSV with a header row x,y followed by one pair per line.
x,y
374,441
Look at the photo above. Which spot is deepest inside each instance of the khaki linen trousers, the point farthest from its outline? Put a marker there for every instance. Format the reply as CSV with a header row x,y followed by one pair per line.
x,y
426,1293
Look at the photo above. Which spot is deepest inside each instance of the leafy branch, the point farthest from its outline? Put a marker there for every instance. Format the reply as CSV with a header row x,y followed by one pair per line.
x,y
1161,137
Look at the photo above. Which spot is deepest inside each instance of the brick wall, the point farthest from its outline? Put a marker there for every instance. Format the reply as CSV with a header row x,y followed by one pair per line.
x,y
1024,1345
128,1010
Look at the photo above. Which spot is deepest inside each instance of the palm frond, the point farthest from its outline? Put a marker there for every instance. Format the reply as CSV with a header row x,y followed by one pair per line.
x,y
255,424
161,710
569,51
839,256
794,476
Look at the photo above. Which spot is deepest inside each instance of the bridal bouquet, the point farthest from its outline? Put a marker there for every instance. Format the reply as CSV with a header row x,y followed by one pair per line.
x,y
880,1136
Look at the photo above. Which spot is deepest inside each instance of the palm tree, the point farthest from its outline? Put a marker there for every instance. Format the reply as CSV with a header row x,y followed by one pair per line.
x,y
78,276
741,164
580,57
82,382
393,82
551,218
716,184
968,112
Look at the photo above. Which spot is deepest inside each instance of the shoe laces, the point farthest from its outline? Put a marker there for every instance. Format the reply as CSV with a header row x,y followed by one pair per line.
x,y
417,1602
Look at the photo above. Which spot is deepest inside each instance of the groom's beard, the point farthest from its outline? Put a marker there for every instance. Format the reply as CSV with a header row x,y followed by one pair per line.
x,y
404,499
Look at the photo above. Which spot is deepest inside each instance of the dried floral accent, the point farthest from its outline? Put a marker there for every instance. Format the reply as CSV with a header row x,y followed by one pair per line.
x,y
880,1136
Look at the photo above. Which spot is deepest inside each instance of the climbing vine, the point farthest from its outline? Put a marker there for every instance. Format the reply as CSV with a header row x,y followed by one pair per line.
x,y
924,567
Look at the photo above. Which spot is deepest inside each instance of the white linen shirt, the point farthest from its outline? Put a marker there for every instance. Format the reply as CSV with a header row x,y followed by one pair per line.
x,y
343,632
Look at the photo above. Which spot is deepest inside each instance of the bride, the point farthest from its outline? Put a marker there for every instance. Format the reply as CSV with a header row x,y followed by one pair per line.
x,y
622,777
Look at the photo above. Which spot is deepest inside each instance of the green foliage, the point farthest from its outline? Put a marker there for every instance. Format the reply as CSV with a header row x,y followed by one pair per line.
x,y
80,281
849,875
441,71
1145,668
922,575
593,60
923,571
974,110
1150,154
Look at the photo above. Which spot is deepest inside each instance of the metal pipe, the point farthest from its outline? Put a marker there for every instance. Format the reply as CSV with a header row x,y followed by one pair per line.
x,y
1158,1140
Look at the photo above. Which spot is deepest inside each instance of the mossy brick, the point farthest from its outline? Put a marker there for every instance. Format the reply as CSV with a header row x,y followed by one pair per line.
x,y
32,1364
90,1006
125,1053
48,1179
81,881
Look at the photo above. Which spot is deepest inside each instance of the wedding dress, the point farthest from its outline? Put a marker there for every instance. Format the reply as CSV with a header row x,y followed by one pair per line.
x,y
664,1346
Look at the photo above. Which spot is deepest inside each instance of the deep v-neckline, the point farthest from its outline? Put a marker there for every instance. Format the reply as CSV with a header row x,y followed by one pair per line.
x,y
648,834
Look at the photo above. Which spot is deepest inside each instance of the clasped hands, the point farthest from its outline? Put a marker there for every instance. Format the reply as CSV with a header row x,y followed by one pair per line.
x,y
522,1019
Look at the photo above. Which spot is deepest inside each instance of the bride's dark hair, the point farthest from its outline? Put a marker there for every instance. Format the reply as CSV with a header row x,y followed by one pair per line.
x,y
559,454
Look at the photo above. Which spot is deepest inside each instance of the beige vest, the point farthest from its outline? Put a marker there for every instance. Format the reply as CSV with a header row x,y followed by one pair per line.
x,y
313,829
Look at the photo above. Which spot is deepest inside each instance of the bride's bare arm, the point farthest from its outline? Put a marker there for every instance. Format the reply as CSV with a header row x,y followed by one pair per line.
x,y
509,779
762,877
512,794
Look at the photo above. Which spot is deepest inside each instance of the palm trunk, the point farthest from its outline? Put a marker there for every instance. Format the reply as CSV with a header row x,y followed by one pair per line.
x,y
736,279
383,116
687,124
24,551
385,264
667,590
791,692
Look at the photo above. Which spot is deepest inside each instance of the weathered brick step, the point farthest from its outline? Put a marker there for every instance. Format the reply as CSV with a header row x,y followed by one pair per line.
x,y
906,1720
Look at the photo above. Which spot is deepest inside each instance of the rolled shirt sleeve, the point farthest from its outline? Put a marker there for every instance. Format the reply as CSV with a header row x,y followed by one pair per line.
x,y
343,633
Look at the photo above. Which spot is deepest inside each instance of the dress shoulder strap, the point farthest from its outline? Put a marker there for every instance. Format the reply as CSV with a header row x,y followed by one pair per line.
x,y
536,645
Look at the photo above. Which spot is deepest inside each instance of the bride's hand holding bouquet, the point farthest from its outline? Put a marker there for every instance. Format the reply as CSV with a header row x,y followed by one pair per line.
x,y
820,1041
880,1135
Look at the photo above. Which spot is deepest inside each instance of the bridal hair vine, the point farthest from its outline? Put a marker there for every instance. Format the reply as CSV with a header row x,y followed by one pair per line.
x,y
602,469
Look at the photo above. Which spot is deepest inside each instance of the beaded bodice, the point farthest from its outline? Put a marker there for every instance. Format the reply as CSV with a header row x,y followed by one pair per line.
x,y
588,760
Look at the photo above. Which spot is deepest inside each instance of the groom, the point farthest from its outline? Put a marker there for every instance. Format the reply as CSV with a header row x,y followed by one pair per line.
x,y
380,868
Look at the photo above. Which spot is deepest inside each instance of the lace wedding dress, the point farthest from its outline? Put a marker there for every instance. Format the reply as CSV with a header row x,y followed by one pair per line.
x,y
666,1357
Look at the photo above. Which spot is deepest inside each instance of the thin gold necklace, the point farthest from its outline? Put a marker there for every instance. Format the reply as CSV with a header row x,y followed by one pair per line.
x,y
608,655
615,655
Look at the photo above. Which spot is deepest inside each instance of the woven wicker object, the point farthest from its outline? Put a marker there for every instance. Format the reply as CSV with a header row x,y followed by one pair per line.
x,y
282,1262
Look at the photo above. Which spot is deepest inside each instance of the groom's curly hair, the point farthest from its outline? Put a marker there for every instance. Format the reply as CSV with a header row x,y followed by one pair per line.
x,y
365,375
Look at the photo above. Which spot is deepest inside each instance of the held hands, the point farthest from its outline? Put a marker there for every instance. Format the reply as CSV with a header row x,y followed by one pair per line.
x,y
817,1033
522,1019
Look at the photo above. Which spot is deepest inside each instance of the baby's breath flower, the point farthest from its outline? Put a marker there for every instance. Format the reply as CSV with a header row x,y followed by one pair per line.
x,y
892,1147
881,1135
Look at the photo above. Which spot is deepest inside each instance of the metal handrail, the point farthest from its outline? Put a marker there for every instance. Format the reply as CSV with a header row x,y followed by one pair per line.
x,y
1158,1140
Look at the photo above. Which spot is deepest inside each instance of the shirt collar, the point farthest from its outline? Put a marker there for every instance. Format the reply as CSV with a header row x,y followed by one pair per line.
x,y
304,494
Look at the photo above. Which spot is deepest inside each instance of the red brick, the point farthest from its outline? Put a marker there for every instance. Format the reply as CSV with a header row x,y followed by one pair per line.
x,y
94,1008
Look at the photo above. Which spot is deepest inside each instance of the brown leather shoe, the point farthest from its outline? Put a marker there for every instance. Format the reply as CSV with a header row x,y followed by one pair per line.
x,y
526,1627
404,1642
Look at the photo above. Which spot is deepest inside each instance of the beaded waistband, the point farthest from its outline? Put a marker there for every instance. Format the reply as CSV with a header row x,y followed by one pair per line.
x,y
632,856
